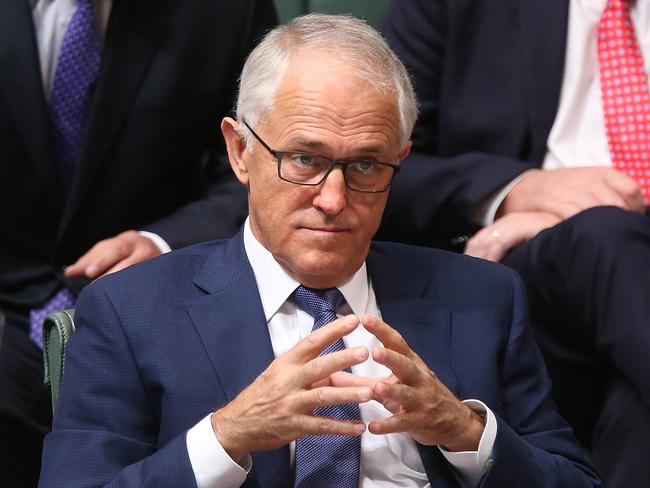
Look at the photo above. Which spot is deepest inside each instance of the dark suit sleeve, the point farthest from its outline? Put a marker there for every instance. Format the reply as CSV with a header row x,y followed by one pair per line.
x,y
534,446
223,206
442,184
105,432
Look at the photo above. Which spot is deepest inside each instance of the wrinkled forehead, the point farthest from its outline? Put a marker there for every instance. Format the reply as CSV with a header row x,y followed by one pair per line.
x,y
322,91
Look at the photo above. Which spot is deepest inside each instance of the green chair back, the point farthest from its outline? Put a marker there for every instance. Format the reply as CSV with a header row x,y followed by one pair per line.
x,y
288,9
370,10
58,327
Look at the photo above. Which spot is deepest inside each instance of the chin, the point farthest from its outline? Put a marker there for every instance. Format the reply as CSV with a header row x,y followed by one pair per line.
x,y
326,270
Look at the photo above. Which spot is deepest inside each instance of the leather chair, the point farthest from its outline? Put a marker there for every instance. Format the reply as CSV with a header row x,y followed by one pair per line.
x,y
58,327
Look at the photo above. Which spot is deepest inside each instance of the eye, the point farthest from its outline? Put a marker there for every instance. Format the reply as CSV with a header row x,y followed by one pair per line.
x,y
364,166
305,160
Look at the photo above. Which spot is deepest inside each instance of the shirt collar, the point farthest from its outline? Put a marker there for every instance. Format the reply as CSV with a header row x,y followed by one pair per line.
x,y
275,285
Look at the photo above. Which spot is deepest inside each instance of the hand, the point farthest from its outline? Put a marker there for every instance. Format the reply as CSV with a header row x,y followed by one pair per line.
x,y
565,192
421,405
494,241
278,407
112,255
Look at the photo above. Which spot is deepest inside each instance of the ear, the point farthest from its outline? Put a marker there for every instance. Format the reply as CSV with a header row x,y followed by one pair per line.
x,y
406,149
236,147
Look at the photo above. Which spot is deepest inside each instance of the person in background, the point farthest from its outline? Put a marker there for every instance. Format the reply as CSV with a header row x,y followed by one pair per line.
x,y
299,353
533,150
110,154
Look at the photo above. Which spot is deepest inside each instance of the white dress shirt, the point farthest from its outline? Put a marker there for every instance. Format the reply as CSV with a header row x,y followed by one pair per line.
x,y
386,460
578,137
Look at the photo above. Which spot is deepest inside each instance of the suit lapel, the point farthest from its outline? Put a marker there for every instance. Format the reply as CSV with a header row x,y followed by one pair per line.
x,y
544,29
404,298
406,302
21,86
230,320
132,38
425,327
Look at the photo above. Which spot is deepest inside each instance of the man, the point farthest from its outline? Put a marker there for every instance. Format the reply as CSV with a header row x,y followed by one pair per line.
x,y
204,367
141,154
519,135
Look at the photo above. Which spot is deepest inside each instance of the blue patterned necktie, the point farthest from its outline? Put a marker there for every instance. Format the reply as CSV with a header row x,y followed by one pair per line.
x,y
327,461
74,79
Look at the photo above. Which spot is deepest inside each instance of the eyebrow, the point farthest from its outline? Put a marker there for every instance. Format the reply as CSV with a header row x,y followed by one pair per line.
x,y
319,146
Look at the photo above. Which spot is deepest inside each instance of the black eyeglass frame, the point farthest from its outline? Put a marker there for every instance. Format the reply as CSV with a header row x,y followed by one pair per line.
x,y
333,163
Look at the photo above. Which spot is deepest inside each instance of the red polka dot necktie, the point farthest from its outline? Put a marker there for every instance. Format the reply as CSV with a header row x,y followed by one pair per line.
x,y
625,94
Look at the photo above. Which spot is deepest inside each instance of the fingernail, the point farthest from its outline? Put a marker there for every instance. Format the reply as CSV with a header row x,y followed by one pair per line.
x,y
361,352
364,394
360,427
92,270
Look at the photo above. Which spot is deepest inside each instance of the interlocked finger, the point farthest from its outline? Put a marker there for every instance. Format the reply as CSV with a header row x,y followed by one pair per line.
x,y
328,396
317,425
343,378
389,337
402,367
322,367
403,395
312,345
397,423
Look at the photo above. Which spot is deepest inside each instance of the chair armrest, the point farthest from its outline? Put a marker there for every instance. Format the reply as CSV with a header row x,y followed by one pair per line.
x,y
58,327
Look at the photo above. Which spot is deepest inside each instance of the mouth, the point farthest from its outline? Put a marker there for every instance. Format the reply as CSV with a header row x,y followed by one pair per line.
x,y
326,230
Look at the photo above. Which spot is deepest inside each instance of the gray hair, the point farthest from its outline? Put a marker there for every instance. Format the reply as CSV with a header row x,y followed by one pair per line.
x,y
350,38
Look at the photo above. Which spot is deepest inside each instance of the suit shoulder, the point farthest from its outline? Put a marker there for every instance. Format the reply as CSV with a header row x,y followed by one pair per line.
x,y
436,256
448,267
173,270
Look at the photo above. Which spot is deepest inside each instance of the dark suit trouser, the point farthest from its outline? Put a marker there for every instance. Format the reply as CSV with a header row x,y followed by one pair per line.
x,y
588,283
25,406
621,436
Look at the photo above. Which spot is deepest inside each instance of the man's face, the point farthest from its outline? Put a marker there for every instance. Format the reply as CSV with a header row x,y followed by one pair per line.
x,y
320,234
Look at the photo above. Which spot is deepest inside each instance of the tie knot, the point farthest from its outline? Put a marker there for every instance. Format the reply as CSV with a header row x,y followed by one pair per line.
x,y
320,304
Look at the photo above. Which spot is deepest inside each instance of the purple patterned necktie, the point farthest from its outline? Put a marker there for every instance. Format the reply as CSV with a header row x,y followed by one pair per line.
x,y
76,72
327,461
61,300
74,79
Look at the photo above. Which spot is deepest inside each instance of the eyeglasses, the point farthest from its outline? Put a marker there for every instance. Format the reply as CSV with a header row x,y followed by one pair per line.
x,y
312,170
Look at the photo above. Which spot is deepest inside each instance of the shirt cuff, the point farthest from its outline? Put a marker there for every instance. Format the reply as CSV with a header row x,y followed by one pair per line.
x,y
157,240
212,465
472,465
487,212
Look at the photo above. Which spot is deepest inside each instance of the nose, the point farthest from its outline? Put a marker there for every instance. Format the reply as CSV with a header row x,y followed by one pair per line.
x,y
332,195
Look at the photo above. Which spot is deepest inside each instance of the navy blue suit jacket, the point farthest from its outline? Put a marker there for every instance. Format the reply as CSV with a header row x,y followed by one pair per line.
x,y
162,344
488,76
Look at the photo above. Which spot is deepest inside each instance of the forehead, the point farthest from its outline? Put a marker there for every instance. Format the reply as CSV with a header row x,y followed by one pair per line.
x,y
320,96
